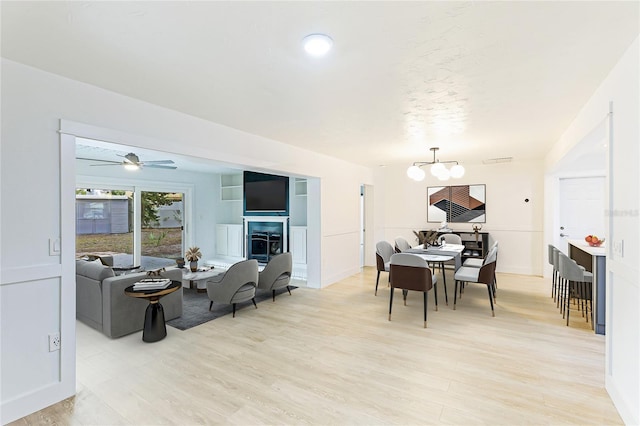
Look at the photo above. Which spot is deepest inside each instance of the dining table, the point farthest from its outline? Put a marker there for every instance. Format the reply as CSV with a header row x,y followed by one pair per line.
x,y
452,250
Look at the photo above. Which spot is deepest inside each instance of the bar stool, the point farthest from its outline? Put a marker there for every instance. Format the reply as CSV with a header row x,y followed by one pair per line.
x,y
578,283
560,282
554,282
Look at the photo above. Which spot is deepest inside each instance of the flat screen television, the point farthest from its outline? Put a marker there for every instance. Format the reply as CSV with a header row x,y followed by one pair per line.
x,y
264,193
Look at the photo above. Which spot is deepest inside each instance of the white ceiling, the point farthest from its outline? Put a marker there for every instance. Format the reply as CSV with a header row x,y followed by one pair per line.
x,y
478,79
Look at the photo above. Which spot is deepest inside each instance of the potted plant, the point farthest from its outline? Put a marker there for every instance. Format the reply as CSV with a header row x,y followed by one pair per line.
x,y
192,255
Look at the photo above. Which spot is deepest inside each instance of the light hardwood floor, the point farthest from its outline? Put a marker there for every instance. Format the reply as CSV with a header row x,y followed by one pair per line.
x,y
331,356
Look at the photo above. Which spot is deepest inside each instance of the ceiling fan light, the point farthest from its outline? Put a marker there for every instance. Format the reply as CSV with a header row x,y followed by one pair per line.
x,y
130,166
415,173
437,169
457,171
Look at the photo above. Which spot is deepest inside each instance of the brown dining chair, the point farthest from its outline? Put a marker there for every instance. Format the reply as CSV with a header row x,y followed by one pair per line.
x,y
483,275
401,244
410,272
384,251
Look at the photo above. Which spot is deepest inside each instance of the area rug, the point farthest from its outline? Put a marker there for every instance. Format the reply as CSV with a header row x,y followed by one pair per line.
x,y
195,307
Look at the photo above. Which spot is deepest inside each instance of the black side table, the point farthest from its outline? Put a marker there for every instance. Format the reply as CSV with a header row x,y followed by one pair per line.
x,y
154,326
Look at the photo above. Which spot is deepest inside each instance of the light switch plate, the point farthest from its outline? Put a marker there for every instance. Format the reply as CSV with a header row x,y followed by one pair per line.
x,y
54,246
618,248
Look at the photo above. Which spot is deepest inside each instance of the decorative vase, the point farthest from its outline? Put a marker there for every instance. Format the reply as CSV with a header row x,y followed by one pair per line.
x,y
180,262
193,265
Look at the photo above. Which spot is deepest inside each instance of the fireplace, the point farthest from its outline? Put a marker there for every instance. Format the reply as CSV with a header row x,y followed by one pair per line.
x,y
265,237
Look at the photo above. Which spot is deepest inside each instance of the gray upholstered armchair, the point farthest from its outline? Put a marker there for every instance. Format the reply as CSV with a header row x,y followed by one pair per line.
x,y
277,274
237,285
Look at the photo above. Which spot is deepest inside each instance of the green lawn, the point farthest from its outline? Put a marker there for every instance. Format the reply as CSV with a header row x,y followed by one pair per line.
x,y
165,243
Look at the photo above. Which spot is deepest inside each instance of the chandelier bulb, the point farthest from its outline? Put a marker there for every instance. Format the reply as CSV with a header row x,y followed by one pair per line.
x,y
457,171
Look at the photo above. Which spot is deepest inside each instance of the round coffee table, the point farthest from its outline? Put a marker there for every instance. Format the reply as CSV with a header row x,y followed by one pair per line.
x,y
199,279
154,326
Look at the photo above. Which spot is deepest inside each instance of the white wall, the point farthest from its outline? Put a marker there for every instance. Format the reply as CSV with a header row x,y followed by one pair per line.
x,y
622,89
33,102
516,224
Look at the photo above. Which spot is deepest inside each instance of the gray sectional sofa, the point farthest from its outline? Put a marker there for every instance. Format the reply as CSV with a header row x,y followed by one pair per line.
x,y
102,304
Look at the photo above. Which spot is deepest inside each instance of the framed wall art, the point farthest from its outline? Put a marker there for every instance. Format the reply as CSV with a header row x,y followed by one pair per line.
x,y
456,204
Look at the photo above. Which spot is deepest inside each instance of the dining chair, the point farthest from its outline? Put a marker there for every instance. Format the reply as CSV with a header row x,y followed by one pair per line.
x,y
483,275
384,251
451,239
401,244
478,262
410,272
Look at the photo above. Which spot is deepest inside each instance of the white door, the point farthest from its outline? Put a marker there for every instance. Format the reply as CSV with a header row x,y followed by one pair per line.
x,y
582,209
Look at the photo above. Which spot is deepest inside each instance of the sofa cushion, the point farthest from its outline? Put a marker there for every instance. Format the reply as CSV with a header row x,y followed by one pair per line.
x,y
94,270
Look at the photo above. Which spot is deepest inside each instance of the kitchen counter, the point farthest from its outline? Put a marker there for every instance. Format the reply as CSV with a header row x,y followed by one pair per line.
x,y
584,246
594,260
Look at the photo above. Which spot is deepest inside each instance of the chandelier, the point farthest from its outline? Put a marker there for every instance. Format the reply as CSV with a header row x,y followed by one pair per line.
x,y
438,169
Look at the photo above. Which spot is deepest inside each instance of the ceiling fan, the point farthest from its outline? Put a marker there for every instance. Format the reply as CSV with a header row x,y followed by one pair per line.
x,y
132,162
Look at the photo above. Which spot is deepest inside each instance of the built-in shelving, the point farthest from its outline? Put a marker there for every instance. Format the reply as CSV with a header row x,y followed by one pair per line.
x,y
300,187
231,187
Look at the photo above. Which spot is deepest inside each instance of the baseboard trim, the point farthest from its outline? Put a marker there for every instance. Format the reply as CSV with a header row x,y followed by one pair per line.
x,y
629,417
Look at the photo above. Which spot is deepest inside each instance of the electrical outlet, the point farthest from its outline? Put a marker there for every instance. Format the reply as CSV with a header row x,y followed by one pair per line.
x,y
54,342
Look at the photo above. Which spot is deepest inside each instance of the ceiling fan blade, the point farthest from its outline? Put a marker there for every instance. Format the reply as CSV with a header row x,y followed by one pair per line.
x,y
158,162
103,161
159,166
129,160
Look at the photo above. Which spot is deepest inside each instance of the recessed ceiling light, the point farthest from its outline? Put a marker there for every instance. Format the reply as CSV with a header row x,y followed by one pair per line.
x,y
317,44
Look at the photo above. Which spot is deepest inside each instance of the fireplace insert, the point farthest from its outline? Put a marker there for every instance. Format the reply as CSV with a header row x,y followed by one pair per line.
x,y
265,240
264,245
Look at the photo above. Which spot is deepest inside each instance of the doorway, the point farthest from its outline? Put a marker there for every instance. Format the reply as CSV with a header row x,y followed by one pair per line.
x,y
366,226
